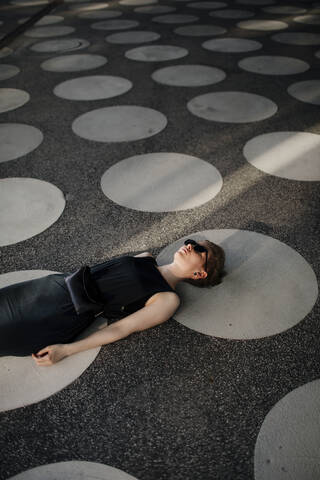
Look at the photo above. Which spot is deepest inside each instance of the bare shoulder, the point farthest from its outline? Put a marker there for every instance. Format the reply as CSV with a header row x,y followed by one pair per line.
x,y
169,299
144,254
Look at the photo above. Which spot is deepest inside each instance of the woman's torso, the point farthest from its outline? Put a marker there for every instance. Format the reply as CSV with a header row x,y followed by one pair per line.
x,y
126,283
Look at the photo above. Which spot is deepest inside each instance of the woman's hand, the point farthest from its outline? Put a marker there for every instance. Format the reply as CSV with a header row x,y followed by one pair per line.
x,y
50,355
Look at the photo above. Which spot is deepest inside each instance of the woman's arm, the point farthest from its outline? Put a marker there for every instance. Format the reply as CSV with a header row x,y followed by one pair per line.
x,y
158,311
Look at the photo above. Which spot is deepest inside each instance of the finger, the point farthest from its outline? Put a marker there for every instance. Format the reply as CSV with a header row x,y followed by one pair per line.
x,y
43,351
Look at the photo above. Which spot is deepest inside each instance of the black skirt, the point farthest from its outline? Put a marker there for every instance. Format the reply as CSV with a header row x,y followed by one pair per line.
x,y
38,313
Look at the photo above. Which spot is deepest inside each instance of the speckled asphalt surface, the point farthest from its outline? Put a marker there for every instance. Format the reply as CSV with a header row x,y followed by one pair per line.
x,y
168,403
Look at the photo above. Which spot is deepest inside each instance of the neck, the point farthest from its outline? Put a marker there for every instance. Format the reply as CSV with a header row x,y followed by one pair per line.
x,y
171,274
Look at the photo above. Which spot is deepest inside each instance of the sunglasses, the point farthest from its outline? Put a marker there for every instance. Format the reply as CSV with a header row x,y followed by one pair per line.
x,y
197,248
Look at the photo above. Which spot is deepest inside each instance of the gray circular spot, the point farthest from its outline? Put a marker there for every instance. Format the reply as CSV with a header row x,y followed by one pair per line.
x,y
287,445
41,32
123,123
230,309
155,9
161,182
188,75
156,53
137,2
207,5
231,45
255,2
12,98
308,19
61,45
308,91
114,24
232,13
27,207
263,25
29,3
273,65
8,71
17,140
317,54
5,52
232,107
89,7
200,30
175,18
46,20
297,38
100,14
73,63
291,155
133,37
92,88
284,10
74,470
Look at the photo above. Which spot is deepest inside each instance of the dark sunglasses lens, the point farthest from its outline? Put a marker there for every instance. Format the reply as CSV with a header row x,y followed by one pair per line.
x,y
197,247
190,242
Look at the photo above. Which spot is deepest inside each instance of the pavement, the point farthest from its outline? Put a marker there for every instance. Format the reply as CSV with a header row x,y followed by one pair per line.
x,y
176,401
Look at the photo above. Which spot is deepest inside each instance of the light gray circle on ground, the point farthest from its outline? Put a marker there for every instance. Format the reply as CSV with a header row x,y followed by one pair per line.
x,y
156,53
308,19
46,20
28,206
188,75
114,25
232,107
175,18
17,139
263,25
42,32
317,54
297,38
133,37
12,98
85,2
284,10
29,3
231,45
60,45
89,7
155,9
308,91
232,13
291,155
255,2
161,182
23,382
252,300
273,65
207,5
136,3
74,470
100,14
92,88
73,63
102,125
5,52
8,71
287,445
200,30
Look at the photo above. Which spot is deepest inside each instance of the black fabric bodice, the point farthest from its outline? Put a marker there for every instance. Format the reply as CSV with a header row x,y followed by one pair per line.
x,y
126,283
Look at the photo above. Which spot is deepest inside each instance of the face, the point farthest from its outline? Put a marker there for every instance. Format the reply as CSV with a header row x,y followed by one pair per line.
x,y
188,259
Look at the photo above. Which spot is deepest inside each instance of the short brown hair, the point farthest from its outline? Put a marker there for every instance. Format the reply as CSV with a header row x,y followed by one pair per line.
x,y
215,267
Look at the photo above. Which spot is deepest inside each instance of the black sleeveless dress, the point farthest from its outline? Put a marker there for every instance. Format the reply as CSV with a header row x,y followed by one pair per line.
x,y
38,313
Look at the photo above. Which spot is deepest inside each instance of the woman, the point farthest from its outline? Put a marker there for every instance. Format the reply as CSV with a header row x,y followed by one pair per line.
x,y
135,289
